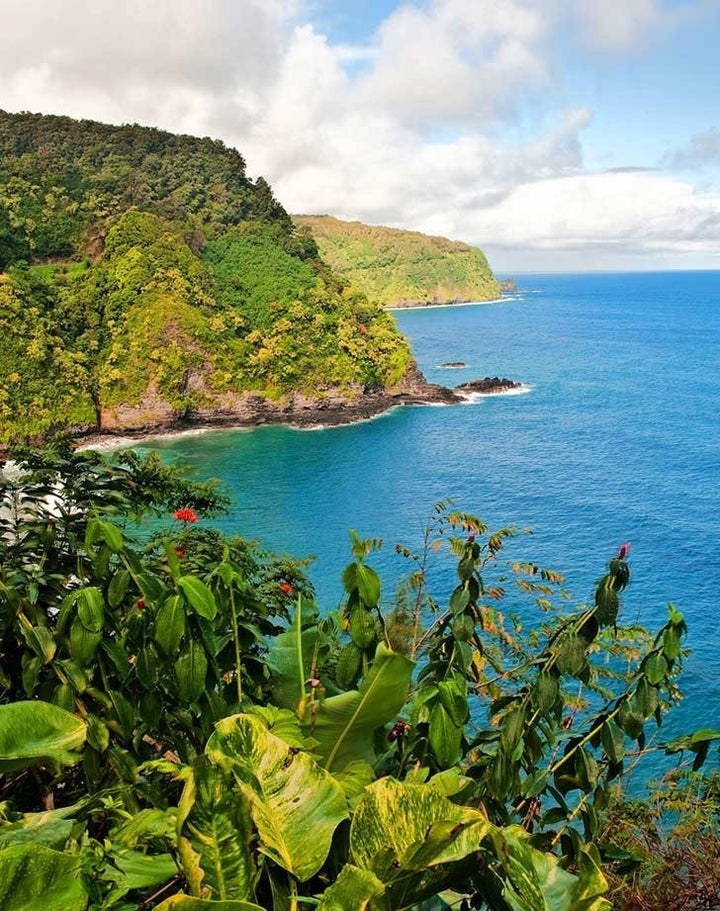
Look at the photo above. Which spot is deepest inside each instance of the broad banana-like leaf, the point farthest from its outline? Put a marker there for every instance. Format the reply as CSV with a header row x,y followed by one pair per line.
x,y
535,882
399,827
295,804
290,658
188,903
215,835
33,732
51,828
35,878
352,890
135,870
343,725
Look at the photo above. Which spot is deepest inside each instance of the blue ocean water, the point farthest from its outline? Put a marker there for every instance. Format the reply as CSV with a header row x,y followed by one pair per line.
x,y
617,439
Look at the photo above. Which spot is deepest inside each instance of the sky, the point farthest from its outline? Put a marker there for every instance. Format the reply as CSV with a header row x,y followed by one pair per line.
x,y
566,135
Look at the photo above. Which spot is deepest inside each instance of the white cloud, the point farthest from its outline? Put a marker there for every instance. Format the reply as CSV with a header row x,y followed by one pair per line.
x,y
702,151
171,62
447,119
636,210
619,25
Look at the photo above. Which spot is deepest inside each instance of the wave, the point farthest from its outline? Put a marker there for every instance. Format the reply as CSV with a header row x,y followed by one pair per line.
x,y
474,398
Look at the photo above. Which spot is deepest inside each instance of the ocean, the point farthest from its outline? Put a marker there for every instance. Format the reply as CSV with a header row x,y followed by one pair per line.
x,y
615,438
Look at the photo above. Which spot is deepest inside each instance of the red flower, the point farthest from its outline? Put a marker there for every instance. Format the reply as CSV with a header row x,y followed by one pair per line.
x,y
140,604
185,515
286,588
624,551
400,730
180,552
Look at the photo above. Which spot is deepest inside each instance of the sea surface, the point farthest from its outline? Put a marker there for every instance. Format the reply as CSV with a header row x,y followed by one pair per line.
x,y
615,439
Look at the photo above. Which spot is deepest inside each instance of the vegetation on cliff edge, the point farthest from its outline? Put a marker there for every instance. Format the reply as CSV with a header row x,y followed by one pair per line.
x,y
146,276
394,266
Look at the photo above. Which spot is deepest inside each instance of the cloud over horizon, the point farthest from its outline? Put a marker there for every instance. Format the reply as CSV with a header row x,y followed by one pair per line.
x,y
452,116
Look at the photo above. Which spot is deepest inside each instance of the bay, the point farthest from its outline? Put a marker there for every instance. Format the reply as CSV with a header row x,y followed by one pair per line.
x,y
617,440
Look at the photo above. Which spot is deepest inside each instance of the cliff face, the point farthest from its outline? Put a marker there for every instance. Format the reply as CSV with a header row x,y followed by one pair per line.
x,y
401,268
327,405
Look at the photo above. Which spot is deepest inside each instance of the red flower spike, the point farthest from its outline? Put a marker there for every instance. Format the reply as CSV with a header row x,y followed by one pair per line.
x,y
286,588
186,515
624,551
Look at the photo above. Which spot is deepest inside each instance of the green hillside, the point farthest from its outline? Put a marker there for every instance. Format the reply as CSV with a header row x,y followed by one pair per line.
x,y
395,267
145,279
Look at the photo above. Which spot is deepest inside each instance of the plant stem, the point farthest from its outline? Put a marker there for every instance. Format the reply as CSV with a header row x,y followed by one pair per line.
x,y
236,639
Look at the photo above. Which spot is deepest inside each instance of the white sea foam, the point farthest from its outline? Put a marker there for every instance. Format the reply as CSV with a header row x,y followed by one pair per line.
x,y
475,398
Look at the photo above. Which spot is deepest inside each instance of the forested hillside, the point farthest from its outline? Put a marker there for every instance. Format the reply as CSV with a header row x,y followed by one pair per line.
x,y
400,267
145,279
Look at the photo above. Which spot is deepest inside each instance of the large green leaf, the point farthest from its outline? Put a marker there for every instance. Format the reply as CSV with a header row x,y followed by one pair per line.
x,y
135,870
399,828
290,658
343,725
216,834
188,903
33,732
352,890
534,881
295,804
35,878
51,828
199,595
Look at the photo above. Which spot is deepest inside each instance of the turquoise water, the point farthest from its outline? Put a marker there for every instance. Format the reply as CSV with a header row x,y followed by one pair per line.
x,y
617,440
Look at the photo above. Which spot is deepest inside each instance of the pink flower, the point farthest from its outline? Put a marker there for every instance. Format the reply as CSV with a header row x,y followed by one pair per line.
x,y
624,551
186,515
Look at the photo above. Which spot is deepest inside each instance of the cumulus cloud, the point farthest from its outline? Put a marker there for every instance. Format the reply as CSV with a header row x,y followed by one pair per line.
x,y
702,151
447,118
633,209
181,63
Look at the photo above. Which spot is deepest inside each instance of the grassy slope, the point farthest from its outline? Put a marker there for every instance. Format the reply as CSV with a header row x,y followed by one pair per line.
x,y
392,266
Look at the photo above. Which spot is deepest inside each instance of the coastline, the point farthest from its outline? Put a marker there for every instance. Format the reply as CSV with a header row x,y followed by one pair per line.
x,y
437,305
299,411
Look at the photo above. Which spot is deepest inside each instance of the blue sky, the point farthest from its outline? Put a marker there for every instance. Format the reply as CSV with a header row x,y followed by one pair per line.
x,y
555,134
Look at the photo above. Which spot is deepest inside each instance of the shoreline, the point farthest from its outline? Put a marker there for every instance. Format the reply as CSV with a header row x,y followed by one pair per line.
x,y
310,416
298,412
437,305
321,419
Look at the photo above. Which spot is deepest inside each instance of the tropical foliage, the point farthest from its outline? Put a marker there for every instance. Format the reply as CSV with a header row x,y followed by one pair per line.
x,y
393,266
181,728
147,279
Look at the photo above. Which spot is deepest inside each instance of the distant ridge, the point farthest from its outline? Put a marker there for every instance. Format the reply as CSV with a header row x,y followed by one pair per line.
x,y
402,268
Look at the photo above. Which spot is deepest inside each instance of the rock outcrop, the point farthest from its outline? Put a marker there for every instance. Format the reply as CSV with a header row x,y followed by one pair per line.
x,y
489,385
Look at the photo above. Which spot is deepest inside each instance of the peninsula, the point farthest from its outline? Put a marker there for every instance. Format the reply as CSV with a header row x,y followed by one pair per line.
x,y
147,284
402,268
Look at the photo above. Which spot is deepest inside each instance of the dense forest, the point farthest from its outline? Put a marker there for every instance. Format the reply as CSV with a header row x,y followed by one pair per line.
x,y
396,267
144,278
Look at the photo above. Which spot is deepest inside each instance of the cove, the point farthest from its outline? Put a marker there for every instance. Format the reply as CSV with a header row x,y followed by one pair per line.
x,y
617,440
